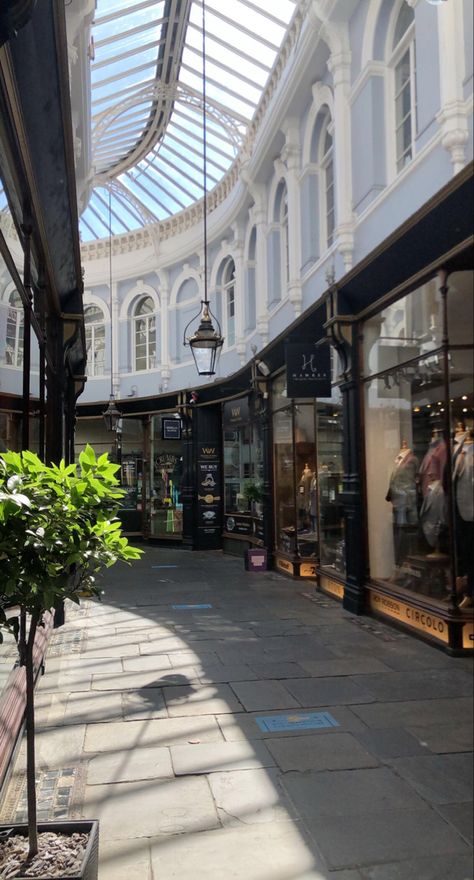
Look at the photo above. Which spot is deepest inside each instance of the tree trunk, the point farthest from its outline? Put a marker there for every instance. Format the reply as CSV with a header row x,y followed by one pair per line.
x,y
30,740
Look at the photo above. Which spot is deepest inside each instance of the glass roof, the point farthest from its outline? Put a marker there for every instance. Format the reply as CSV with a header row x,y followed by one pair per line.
x,y
147,95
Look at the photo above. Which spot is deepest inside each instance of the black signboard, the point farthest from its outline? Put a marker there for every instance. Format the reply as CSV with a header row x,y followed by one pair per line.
x,y
308,370
209,483
171,429
236,412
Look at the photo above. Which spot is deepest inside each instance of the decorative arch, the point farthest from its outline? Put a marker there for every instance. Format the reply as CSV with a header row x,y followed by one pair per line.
x,y
188,274
91,299
129,301
322,97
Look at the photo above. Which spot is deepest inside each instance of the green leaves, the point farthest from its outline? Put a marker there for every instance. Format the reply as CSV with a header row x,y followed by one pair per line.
x,y
58,528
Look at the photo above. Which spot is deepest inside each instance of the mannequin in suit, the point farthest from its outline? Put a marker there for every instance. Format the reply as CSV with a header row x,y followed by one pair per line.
x,y
463,482
402,493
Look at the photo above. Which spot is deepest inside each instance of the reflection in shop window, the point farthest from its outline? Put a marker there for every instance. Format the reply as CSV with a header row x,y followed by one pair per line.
x,y
95,340
15,327
145,334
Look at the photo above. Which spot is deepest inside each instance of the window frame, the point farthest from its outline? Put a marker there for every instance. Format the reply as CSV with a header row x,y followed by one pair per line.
x,y
16,316
91,328
406,45
149,319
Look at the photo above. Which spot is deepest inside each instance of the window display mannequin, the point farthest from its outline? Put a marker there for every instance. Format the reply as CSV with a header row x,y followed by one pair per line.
x,y
304,497
463,482
402,493
433,513
313,500
433,462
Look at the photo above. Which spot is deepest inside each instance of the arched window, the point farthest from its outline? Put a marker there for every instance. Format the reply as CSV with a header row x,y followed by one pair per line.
x,y
228,288
403,62
15,325
95,340
284,238
327,183
144,334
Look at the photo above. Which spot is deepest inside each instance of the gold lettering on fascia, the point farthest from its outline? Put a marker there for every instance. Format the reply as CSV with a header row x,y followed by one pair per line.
x,y
208,450
236,412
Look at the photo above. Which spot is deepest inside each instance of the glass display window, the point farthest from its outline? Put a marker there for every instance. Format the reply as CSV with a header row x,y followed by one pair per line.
x,y
306,480
284,481
165,477
243,465
407,409
330,484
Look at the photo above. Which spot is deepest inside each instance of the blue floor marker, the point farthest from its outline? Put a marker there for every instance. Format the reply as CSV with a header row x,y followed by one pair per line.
x,y
296,721
189,607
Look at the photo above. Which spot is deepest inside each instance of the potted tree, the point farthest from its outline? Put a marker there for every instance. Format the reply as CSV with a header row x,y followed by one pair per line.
x,y
58,529
253,494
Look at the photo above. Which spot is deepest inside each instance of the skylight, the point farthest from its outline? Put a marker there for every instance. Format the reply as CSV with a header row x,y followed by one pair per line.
x,y
146,101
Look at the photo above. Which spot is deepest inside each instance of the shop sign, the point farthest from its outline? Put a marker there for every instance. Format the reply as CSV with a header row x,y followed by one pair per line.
x,y
334,588
238,525
416,618
166,461
236,412
256,560
308,570
209,498
171,429
468,636
285,566
308,370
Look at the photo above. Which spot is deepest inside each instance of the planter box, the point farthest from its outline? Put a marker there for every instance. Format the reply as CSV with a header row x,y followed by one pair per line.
x,y
90,866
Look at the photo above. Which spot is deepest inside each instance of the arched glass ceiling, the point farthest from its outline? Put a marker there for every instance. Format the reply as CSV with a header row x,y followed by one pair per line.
x,y
146,101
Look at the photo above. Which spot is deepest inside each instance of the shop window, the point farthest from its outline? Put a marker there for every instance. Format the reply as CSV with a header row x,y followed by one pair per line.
x,y
327,179
95,340
243,469
406,443
15,327
164,491
144,334
403,63
329,484
284,238
228,282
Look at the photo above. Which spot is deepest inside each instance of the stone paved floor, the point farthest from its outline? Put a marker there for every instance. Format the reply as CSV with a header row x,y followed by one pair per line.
x,y
270,736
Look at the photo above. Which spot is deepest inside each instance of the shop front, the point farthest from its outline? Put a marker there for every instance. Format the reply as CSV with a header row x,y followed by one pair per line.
x,y
417,390
243,475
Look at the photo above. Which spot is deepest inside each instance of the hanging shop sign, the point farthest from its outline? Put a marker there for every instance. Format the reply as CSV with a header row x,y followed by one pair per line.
x,y
236,412
171,429
308,370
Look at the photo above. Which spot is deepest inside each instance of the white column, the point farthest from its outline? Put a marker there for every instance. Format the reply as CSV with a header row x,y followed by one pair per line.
x,y
259,218
291,156
239,289
454,112
164,336
339,66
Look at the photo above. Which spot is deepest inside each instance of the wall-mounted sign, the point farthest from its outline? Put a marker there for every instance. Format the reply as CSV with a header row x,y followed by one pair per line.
x,y
285,566
209,498
236,412
416,618
468,636
171,429
334,588
308,370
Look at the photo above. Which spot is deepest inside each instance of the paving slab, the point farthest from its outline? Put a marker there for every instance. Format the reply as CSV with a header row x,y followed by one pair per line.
x,y
250,797
201,700
417,712
440,779
389,836
264,695
92,706
151,807
445,737
59,747
130,765
125,859
218,672
461,816
354,666
145,704
225,756
138,664
425,685
277,670
126,681
333,751
159,733
440,867
349,793
327,691
390,742
255,852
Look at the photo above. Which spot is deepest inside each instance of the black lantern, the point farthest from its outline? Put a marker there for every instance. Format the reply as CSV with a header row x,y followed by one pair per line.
x,y
206,342
112,415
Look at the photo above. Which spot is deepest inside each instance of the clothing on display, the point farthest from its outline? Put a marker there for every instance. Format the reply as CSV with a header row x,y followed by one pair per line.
x,y
433,513
434,463
402,490
463,482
